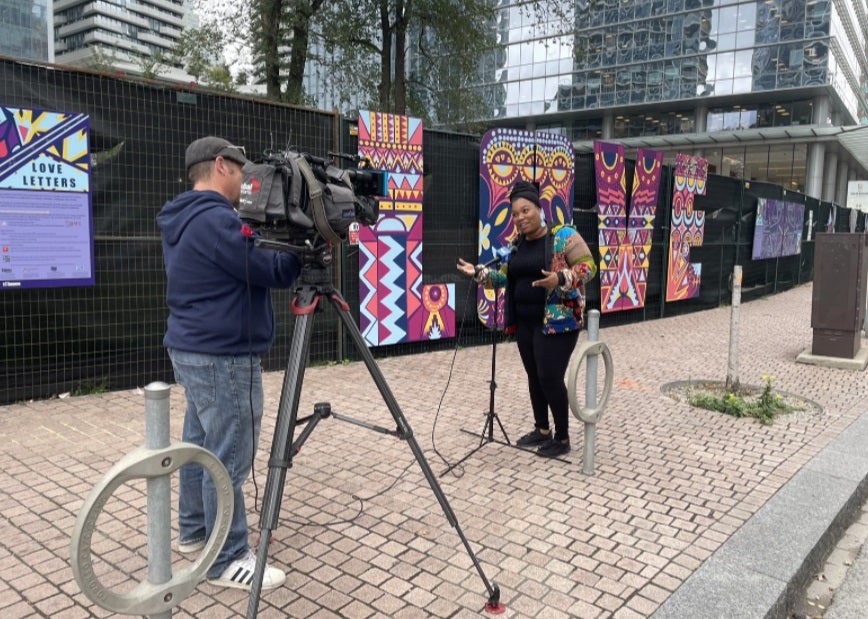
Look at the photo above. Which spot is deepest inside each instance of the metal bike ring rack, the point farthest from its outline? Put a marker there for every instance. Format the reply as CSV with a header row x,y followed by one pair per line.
x,y
147,598
586,413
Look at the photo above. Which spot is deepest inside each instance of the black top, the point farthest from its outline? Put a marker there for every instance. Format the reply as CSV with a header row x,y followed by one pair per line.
x,y
526,267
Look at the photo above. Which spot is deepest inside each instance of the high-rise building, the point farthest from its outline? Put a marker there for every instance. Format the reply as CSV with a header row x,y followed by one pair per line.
x,y
124,35
764,89
28,30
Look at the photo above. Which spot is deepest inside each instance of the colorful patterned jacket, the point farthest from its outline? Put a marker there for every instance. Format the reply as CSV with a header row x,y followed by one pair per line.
x,y
565,304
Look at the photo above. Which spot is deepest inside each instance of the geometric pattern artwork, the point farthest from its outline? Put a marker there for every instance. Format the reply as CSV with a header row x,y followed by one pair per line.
x,y
50,141
778,229
395,306
508,156
625,241
687,228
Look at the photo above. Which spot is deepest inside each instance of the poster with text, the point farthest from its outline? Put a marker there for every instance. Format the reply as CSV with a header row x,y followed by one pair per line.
x,y
46,222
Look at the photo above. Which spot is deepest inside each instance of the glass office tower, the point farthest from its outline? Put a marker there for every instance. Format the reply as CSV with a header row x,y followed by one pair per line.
x,y
28,31
644,69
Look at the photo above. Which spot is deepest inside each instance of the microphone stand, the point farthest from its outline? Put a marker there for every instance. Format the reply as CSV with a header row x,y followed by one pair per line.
x,y
487,434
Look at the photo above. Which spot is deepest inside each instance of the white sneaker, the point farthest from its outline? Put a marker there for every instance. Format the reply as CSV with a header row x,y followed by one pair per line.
x,y
239,574
187,548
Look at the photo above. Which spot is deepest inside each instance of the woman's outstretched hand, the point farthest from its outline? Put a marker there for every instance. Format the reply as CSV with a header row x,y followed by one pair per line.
x,y
465,267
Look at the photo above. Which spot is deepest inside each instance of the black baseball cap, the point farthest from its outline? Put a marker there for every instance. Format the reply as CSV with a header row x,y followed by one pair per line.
x,y
211,147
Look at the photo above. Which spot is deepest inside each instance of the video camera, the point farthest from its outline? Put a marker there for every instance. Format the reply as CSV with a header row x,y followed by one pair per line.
x,y
297,198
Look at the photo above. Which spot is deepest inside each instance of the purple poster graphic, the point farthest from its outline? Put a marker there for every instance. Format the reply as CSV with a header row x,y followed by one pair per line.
x,y
625,242
778,229
46,224
687,228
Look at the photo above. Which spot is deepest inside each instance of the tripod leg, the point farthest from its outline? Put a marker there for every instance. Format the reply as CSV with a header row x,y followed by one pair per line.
x,y
281,447
343,310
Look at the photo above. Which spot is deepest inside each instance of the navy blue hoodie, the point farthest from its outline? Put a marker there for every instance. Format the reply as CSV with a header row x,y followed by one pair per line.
x,y
218,283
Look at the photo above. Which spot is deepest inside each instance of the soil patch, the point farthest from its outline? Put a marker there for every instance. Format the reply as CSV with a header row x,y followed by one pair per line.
x,y
686,390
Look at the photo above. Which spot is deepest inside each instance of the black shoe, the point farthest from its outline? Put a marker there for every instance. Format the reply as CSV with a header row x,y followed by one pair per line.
x,y
553,449
533,438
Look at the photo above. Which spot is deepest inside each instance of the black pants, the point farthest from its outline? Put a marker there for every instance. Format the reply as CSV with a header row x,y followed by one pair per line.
x,y
545,359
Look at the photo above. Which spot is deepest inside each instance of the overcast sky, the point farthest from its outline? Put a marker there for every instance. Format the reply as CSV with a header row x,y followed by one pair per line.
x,y
221,12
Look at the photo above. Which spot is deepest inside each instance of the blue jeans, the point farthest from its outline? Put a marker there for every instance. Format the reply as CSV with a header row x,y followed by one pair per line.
x,y
224,415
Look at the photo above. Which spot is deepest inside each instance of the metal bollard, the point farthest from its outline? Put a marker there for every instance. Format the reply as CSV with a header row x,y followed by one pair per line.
x,y
157,422
595,403
732,379
589,446
155,462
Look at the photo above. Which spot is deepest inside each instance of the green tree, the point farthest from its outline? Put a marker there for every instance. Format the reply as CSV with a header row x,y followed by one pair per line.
x,y
199,50
103,59
452,47
361,48
369,43
280,25
151,65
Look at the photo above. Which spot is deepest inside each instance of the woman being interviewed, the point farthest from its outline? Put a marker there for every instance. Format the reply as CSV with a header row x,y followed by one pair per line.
x,y
545,302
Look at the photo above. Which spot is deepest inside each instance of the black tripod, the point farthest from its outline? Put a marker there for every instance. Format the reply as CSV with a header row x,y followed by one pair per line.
x,y
314,282
487,434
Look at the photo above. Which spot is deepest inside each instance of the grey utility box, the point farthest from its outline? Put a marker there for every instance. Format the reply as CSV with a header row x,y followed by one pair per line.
x,y
838,303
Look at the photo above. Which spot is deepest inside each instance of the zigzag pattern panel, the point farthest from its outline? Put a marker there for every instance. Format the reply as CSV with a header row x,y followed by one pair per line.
x,y
640,225
390,265
507,156
625,241
687,228
392,288
368,278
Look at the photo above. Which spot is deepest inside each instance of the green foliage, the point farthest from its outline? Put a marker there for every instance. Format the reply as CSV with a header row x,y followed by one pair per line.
x,y
434,59
278,33
426,58
150,66
200,52
94,388
763,408
103,59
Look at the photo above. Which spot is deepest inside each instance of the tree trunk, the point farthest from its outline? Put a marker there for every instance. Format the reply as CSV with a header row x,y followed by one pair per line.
x,y
270,14
400,59
298,53
385,89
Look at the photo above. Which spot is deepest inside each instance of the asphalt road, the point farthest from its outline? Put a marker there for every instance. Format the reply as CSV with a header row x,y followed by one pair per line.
x,y
840,590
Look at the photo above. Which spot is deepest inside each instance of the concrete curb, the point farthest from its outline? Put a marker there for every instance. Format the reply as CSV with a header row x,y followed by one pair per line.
x,y
795,531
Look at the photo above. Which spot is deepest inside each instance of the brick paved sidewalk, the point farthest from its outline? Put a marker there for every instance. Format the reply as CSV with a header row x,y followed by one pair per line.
x,y
362,534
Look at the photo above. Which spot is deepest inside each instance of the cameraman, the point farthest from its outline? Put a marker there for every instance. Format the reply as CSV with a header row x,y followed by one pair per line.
x,y
220,321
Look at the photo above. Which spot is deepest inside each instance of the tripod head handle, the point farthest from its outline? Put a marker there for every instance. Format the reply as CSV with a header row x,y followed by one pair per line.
x,y
278,245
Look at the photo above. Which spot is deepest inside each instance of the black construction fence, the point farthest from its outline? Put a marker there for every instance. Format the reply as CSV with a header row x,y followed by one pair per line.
x,y
109,336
